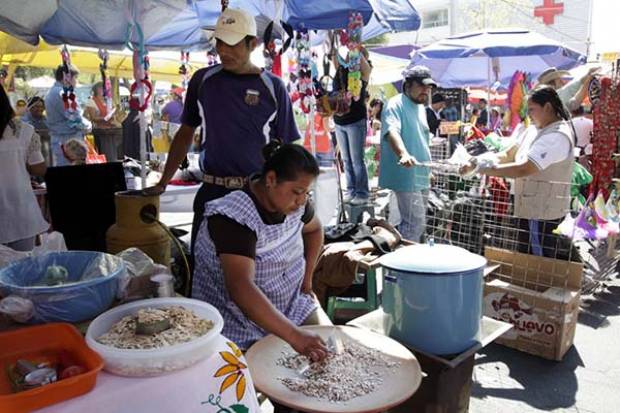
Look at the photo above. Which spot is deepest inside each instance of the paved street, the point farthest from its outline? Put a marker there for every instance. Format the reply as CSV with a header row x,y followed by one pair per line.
x,y
586,381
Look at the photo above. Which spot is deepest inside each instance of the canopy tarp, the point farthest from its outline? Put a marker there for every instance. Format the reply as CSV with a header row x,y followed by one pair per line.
x,y
484,58
179,24
163,65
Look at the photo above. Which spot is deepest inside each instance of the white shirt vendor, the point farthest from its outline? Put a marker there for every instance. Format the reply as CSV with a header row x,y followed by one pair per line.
x,y
20,216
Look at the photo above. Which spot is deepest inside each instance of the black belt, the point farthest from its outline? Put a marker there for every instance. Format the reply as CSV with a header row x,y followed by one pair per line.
x,y
229,182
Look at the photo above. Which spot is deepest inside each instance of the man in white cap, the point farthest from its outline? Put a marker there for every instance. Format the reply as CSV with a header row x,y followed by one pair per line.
x,y
405,137
238,106
572,93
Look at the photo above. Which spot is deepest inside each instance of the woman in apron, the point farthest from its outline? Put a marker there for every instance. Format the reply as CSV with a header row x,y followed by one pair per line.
x,y
256,251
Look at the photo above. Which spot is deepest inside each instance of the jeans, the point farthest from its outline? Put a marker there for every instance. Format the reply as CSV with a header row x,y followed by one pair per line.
x,y
412,207
351,139
56,142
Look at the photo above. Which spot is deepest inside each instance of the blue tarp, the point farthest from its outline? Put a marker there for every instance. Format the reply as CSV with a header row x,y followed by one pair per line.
x,y
179,24
484,58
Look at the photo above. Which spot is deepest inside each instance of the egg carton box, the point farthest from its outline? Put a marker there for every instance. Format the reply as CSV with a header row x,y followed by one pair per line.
x,y
539,296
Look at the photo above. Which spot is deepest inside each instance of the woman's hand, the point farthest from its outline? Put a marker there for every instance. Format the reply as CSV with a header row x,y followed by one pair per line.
x,y
308,344
466,169
306,286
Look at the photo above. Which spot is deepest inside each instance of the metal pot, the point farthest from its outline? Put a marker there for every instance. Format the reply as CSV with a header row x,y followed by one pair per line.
x,y
432,297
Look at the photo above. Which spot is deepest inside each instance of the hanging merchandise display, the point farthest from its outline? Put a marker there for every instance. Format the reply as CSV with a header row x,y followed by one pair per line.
x,y
68,95
273,57
606,131
105,80
520,85
184,69
352,38
304,70
212,58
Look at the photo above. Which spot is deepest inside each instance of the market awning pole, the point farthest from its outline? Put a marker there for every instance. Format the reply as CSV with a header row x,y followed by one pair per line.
x,y
142,142
488,90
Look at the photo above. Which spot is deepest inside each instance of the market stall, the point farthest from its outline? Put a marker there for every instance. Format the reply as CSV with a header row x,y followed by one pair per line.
x,y
138,338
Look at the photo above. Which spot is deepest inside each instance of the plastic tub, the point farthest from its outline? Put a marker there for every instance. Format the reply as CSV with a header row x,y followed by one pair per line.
x,y
94,278
46,343
154,362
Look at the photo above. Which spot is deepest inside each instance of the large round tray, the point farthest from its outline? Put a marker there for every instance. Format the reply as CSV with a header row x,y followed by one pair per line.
x,y
397,386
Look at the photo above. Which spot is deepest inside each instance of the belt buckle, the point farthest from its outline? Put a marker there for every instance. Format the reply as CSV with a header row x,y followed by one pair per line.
x,y
235,182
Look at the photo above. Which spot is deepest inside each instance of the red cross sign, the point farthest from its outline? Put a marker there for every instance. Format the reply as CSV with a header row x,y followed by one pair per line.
x,y
548,11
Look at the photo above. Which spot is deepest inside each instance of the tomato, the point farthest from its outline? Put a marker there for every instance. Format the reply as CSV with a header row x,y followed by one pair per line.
x,y
71,371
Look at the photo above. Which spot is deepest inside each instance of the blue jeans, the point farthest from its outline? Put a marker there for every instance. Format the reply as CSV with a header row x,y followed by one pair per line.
x,y
351,139
56,142
412,207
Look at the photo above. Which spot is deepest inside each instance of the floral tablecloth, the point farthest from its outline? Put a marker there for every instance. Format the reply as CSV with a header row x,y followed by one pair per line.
x,y
219,384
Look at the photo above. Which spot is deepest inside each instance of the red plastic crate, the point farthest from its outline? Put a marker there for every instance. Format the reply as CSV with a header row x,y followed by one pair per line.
x,y
45,343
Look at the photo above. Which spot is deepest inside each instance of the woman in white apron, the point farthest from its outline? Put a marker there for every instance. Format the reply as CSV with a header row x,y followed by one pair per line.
x,y
256,251
21,219
541,164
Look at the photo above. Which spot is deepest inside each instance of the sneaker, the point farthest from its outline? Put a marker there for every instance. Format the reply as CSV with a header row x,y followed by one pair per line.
x,y
359,201
347,198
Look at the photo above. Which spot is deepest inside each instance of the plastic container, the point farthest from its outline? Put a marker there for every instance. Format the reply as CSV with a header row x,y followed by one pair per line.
x,y
154,362
432,297
93,276
45,342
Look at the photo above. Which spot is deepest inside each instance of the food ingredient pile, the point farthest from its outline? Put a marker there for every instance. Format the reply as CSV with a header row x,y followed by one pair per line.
x,y
355,372
155,328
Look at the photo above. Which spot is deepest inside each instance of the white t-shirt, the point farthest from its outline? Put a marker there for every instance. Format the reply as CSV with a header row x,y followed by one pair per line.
x,y
583,129
20,215
550,148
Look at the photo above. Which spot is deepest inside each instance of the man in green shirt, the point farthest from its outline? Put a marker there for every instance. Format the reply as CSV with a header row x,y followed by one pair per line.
x,y
405,137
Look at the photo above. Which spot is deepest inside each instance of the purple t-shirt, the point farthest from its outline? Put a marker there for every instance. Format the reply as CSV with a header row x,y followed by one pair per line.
x,y
174,110
238,117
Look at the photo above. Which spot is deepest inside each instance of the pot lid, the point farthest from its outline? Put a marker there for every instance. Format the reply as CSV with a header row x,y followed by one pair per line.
x,y
433,258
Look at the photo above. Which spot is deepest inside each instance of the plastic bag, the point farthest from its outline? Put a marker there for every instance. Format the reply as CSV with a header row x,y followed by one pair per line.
x,y
50,242
137,262
91,286
18,308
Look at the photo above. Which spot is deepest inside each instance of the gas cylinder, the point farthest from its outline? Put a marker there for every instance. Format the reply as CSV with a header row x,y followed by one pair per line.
x,y
135,227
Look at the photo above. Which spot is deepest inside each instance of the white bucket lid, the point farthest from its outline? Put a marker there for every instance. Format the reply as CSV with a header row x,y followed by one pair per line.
x,y
433,258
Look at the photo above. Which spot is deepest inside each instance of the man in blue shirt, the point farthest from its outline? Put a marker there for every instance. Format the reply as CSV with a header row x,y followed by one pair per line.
x,y
239,108
63,124
405,137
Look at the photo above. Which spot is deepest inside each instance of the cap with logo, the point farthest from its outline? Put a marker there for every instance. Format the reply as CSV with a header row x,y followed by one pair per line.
x,y
234,25
421,74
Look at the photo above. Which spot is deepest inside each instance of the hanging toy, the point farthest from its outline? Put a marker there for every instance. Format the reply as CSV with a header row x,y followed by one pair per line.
x,y
68,95
304,70
184,69
105,80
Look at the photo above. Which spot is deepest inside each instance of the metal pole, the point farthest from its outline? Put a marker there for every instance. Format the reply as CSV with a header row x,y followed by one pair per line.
x,y
142,141
488,89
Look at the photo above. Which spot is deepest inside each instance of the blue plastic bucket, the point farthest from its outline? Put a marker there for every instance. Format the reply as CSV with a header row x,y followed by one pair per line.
x,y
80,299
432,297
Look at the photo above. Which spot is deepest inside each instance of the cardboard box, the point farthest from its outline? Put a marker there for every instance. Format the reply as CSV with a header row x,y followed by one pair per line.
x,y
539,296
